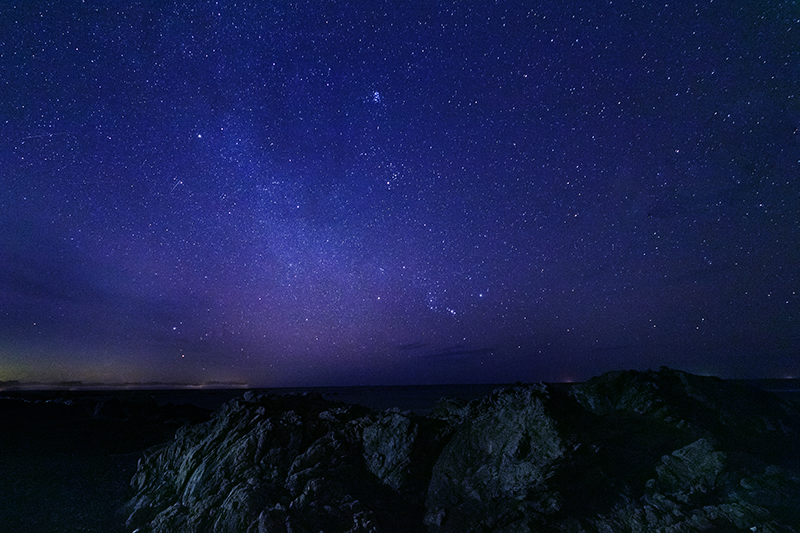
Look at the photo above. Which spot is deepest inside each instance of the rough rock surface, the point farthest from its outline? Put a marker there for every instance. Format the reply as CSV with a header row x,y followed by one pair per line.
x,y
627,451
288,463
496,464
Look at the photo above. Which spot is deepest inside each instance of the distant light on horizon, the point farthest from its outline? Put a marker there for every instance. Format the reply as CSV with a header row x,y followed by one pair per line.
x,y
385,197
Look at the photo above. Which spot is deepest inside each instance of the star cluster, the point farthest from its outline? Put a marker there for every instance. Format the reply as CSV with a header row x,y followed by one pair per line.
x,y
312,193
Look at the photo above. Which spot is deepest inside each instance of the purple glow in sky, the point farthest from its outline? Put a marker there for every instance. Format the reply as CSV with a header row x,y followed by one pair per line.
x,y
336,193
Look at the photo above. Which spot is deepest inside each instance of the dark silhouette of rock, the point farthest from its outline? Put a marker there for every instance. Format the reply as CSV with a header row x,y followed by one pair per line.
x,y
626,451
739,416
284,463
496,465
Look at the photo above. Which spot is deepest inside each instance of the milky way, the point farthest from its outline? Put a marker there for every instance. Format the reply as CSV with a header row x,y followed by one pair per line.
x,y
332,193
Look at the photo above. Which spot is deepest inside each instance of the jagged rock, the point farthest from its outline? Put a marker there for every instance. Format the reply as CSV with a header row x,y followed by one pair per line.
x,y
450,409
703,406
698,486
388,444
493,471
278,464
400,450
691,469
627,451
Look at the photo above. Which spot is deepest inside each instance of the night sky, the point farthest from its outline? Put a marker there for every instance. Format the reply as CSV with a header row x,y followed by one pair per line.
x,y
385,192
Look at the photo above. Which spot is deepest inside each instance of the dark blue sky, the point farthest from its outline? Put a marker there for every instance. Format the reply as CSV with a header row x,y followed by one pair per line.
x,y
323,193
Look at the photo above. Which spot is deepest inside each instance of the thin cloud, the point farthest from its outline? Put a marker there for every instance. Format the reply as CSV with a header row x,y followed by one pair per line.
x,y
412,346
459,352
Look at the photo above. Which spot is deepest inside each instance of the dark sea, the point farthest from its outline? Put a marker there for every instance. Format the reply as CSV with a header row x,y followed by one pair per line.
x,y
417,398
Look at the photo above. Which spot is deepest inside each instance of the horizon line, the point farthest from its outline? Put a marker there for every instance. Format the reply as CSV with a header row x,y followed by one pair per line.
x,y
15,384
79,385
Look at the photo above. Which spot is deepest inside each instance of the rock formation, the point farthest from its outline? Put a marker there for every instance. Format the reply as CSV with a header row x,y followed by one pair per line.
x,y
627,451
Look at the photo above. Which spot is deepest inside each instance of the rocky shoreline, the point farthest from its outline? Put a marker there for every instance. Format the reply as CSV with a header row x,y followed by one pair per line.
x,y
626,451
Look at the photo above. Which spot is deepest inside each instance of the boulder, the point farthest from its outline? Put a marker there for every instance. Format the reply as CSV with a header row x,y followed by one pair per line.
x,y
494,470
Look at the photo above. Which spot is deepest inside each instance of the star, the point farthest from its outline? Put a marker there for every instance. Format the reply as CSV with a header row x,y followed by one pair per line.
x,y
313,192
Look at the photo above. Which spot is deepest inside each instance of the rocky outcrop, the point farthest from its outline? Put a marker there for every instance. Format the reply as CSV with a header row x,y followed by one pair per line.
x,y
628,451
287,463
741,417
495,468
